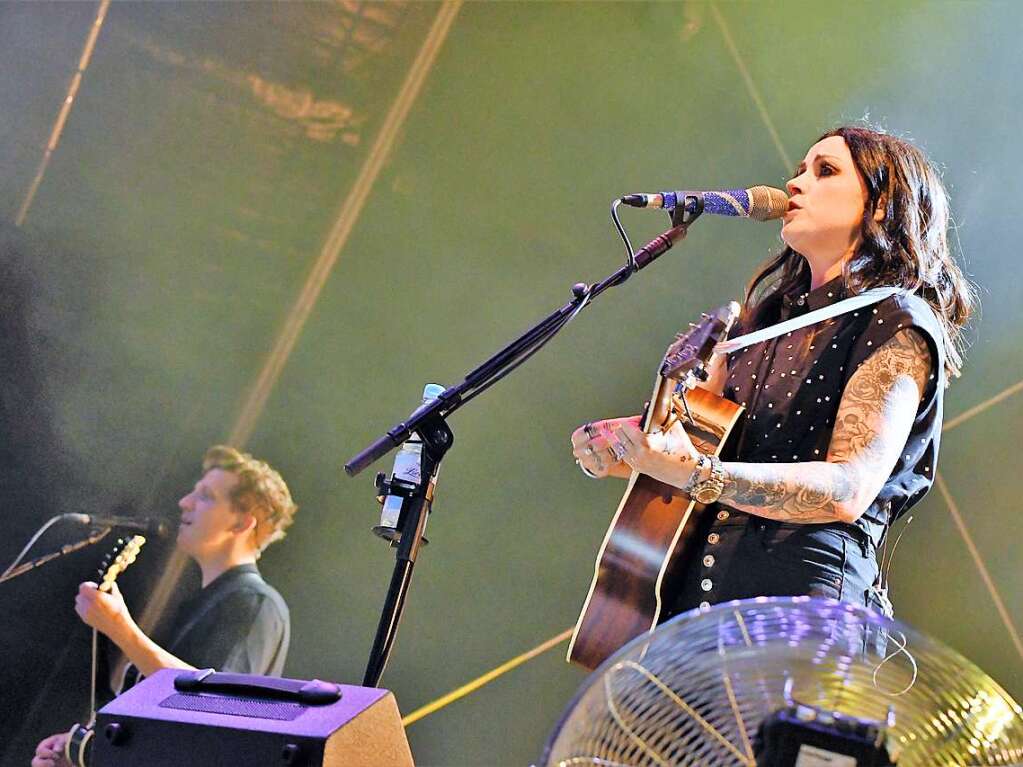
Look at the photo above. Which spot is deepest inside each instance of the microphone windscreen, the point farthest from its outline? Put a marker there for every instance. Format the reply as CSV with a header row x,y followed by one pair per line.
x,y
767,203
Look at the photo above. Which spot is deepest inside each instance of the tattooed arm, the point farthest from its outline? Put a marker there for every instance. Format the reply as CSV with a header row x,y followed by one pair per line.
x,y
873,422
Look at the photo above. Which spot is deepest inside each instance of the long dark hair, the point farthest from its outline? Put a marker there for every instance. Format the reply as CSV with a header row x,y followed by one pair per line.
x,y
908,248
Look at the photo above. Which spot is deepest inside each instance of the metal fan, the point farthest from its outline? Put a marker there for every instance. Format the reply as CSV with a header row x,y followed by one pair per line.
x,y
706,687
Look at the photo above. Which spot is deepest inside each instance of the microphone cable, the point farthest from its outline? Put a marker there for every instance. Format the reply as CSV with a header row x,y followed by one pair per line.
x,y
543,336
630,253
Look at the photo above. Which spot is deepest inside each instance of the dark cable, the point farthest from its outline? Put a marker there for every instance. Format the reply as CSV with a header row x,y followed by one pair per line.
x,y
538,345
630,257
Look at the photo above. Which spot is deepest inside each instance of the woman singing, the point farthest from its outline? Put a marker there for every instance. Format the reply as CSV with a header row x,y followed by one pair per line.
x,y
842,416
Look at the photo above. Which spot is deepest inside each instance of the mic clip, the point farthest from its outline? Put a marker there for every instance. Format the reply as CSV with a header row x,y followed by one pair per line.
x,y
686,212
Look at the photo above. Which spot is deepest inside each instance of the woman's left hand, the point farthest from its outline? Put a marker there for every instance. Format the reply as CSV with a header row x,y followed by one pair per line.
x,y
666,456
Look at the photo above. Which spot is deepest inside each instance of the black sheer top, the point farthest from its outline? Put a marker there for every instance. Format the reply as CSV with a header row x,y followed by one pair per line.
x,y
791,387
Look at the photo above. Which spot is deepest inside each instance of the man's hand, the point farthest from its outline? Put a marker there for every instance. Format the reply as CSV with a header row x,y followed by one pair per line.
x,y
105,611
50,752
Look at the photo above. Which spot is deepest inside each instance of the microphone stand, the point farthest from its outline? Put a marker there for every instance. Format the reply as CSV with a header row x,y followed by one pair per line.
x,y
67,548
429,423
437,438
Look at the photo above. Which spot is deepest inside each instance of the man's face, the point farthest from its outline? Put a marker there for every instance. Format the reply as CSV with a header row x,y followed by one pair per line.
x,y
209,520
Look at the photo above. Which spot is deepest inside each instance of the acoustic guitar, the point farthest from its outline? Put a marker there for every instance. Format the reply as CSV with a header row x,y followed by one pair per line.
x,y
78,748
652,535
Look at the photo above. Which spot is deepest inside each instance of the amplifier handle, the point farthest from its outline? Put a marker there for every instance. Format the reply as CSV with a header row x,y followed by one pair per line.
x,y
312,693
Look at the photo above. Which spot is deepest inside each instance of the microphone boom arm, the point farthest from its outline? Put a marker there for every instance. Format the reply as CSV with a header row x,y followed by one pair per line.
x,y
15,569
501,363
429,421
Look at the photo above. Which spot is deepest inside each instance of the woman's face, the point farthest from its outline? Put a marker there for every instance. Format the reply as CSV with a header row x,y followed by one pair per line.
x,y
826,207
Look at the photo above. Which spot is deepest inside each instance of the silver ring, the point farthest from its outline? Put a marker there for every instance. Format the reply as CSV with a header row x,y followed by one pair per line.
x,y
588,450
587,472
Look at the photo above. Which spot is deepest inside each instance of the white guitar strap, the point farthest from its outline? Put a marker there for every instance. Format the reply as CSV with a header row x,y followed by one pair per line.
x,y
866,298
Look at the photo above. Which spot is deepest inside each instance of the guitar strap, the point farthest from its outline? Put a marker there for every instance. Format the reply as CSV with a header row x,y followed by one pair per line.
x,y
131,675
866,298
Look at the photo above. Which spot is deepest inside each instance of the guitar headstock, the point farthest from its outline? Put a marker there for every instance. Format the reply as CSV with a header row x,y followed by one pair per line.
x,y
120,558
691,349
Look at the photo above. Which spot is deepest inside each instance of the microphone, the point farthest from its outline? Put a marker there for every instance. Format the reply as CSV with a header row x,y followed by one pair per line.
x,y
760,202
151,527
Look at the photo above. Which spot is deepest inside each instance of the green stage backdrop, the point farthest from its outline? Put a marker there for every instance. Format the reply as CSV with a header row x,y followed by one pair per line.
x,y
208,155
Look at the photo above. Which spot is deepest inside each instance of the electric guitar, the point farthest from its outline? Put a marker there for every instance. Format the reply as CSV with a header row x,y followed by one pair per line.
x,y
78,748
652,534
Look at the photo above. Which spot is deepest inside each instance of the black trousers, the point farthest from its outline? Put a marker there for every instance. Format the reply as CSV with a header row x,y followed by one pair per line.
x,y
743,556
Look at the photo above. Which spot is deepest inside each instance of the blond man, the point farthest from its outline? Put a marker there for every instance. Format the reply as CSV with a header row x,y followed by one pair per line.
x,y
237,622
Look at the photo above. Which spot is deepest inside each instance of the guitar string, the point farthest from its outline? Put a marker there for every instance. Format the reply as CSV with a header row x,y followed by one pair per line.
x,y
92,701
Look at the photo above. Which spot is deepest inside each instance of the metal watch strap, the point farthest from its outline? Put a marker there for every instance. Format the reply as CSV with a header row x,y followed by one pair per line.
x,y
694,477
709,489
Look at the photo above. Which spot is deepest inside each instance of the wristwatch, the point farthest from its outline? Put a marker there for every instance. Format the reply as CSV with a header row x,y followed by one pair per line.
x,y
709,490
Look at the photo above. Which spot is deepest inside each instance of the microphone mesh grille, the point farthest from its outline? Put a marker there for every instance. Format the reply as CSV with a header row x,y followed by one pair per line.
x,y
766,203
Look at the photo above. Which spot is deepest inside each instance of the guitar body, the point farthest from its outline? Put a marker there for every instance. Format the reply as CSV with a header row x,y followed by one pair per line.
x,y
649,542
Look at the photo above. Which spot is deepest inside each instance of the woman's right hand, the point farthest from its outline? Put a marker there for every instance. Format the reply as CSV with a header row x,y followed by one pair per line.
x,y
592,447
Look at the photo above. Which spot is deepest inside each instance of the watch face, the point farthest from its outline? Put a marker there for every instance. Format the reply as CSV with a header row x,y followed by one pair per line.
x,y
707,495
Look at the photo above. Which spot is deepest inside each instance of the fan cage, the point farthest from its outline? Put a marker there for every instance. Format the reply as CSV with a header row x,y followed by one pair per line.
x,y
695,690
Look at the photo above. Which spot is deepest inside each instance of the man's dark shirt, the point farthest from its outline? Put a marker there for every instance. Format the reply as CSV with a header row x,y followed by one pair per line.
x,y
237,623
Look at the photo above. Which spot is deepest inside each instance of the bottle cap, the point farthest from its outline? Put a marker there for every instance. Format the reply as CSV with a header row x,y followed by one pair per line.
x,y
432,391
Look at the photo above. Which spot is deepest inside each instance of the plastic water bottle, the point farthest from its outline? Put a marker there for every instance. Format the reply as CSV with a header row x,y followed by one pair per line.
x,y
406,474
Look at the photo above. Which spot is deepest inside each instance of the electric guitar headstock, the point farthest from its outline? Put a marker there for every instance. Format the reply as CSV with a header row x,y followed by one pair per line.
x,y
119,559
686,359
